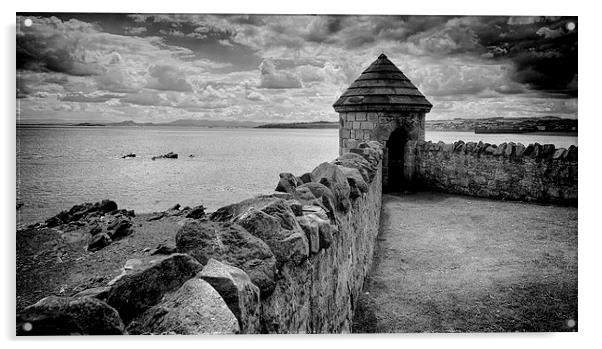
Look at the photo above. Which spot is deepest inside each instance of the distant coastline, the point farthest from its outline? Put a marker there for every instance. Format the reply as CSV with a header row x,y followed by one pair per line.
x,y
548,125
312,125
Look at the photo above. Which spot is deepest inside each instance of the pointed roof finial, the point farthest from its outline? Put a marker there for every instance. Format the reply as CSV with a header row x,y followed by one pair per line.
x,y
382,56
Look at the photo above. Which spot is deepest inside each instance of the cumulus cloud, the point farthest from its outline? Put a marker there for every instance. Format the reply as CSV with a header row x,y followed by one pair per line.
x,y
270,77
92,98
168,78
144,98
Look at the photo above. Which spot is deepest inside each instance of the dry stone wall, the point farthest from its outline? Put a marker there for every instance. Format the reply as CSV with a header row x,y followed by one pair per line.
x,y
538,173
290,262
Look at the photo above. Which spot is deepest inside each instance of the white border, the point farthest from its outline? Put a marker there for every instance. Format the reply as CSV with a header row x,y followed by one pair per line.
x,y
589,130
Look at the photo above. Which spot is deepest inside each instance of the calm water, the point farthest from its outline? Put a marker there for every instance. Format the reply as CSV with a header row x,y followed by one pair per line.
x,y
62,166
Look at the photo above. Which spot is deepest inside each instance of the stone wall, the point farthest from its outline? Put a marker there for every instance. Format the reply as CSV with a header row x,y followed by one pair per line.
x,y
289,262
538,173
360,126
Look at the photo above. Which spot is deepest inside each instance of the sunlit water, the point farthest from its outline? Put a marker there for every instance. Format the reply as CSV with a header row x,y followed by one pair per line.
x,y
58,167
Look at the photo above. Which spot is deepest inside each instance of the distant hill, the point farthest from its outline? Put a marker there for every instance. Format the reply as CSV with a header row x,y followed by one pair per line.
x,y
130,123
315,124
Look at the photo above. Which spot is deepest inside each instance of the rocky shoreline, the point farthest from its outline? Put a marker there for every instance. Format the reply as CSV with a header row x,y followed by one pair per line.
x,y
98,269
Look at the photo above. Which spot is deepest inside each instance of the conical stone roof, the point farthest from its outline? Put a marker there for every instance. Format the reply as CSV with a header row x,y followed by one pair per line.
x,y
382,87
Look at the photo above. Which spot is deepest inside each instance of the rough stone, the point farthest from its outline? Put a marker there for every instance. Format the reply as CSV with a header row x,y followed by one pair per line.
x,y
312,231
196,212
287,184
356,182
193,309
231,244
237,290
55,316
96,292
332,177
135,293
99,241
277,227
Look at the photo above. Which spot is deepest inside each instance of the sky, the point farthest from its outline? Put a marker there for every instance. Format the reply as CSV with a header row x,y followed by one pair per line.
x,y
289,68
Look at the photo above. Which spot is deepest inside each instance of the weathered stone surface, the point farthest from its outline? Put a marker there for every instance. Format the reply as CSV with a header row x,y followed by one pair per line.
x,y
358,162
96,292
287,184
194,308
78,212
237,290
312,231
163,250
229,212
306,178
278,229
356,182
99,241
134,293
232,244
513,171
332,177
196,212
54,316
119,228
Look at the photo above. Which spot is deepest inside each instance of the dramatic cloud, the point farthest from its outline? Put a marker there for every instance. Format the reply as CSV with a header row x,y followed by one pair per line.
x,y
272,78
288,68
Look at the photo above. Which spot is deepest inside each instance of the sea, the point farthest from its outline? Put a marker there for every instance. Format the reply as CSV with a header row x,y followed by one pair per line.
x,y
58,167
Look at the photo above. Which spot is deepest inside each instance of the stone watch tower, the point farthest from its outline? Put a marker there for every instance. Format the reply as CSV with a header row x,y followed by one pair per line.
x,y
383,105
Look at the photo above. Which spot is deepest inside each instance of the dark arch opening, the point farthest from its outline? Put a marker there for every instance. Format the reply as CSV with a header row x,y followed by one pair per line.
x,y
395,148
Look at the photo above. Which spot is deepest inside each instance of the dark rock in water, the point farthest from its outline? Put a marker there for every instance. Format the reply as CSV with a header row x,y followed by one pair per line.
x,y
237,290
197,212
232,244
120,227
193,309
170,155
163,249
135,293
175,207
332,177
287,184
156,217
96,292
191,156
130,155
55,316
99,241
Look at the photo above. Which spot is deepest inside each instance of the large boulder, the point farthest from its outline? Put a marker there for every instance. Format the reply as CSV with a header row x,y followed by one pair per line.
x,y
56,316
229,212
196,212
232,244
193,309
287,184
237,290
356,182
135,293
358,162
277,227
332,177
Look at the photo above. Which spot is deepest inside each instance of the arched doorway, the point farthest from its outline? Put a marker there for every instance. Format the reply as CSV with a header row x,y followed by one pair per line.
x,y
395,148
